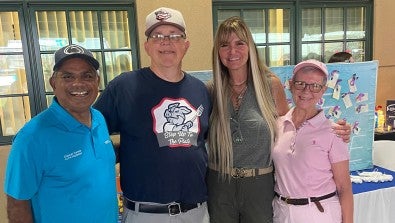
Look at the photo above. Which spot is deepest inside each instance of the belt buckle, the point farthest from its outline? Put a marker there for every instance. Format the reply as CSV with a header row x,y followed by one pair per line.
x,y
239,173
174,209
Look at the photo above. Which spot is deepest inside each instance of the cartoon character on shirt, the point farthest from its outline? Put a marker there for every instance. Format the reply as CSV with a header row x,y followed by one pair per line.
x,y
176,116
176,122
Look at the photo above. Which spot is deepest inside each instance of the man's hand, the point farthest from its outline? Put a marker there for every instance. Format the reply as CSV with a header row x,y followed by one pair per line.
x,y
343,130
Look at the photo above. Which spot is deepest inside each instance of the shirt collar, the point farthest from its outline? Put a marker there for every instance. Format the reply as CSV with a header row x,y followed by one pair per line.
x,y
313,122
65,118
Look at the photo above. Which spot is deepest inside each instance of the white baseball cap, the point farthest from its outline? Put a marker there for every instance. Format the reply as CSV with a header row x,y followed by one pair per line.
x,y
164,16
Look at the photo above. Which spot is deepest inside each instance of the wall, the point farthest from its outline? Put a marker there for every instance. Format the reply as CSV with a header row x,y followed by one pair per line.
x,y
384,49
4,150
198,18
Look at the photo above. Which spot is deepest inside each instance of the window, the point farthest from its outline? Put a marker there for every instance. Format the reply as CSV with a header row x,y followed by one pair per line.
x,y
14,98
325,31
270,28
27,45
286,32
105,33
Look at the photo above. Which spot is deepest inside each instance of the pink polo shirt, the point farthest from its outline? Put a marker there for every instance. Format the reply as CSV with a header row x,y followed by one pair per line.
x,y
303,157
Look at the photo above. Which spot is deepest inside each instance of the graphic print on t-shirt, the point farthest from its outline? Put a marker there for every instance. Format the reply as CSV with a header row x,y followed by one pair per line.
x,y
176,122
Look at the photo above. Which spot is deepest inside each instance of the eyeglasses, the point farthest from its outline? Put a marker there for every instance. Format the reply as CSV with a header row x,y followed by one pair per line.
x,y
69,77
301,85
173,38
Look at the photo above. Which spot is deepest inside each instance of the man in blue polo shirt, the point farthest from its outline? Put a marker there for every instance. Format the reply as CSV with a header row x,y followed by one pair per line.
x,y
61,164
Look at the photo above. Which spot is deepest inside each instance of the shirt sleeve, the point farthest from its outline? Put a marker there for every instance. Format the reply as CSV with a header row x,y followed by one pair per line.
x,y
24,168
107,105
339,150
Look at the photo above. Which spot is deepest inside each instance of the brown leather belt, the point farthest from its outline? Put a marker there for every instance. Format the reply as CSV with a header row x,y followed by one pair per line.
x,y
305,201
245,172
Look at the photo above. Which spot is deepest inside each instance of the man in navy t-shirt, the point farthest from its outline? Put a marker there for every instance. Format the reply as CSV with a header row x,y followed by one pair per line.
x,y
161,114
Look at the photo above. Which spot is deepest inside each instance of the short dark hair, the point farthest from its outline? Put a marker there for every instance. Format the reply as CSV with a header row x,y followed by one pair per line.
x,y
340,57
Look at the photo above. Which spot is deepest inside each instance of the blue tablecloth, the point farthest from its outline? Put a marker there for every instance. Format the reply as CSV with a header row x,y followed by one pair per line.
x,y
369,186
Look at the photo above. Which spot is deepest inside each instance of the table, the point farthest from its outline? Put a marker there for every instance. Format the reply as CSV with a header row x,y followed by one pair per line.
x,y
374,202
384,135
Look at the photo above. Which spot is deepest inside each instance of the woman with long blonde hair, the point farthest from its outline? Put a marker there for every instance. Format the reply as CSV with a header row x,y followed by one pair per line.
x,y
247,99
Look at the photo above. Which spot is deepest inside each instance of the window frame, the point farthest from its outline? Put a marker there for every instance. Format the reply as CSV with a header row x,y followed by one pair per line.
x,y
296,7
18,7
368,4
31,48
238,5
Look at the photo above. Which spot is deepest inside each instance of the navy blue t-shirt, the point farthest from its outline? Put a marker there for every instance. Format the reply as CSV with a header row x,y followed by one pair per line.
x,y
163,127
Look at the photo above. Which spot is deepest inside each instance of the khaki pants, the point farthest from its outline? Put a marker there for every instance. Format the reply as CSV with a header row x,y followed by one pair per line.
x,y
196,215
242,200
286,213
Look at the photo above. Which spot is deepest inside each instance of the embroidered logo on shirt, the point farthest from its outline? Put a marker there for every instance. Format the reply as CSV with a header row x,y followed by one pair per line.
x,y
72,155
107,141
176,122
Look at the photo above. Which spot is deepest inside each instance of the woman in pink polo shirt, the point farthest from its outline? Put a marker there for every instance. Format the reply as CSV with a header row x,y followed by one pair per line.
x,y
311,163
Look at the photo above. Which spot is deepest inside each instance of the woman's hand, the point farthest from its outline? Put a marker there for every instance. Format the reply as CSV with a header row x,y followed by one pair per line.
x,y
343,130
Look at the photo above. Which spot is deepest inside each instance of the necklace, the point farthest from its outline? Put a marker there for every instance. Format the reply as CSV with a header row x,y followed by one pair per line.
x,y
239,97
239,84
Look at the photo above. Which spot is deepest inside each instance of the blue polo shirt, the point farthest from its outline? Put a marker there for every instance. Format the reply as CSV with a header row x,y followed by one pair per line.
x,y
65,168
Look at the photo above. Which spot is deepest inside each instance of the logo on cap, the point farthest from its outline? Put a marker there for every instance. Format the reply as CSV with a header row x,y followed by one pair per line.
x,y
72,49
162,15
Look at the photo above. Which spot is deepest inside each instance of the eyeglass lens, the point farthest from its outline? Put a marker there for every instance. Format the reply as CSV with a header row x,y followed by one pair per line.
x,y
314,87
158,38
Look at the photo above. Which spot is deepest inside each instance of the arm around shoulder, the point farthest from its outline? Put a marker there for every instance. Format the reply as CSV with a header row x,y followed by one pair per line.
x,y
279,95
342,130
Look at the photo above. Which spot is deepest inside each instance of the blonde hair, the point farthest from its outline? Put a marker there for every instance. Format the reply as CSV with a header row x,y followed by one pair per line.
x,y
219,139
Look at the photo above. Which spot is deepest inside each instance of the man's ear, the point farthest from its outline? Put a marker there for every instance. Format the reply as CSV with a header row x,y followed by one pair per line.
x,y
98,80
187,44
146,48
52,81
